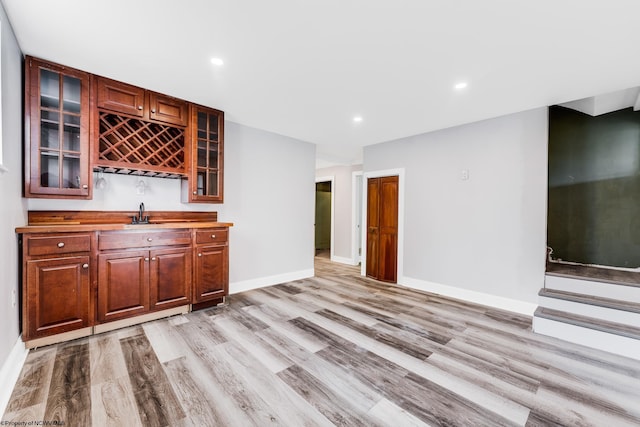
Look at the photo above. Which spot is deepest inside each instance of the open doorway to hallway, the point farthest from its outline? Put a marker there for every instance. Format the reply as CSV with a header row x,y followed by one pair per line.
x,y
324,217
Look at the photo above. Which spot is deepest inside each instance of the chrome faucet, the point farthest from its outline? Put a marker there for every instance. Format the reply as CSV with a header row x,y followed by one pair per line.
x,y
141,219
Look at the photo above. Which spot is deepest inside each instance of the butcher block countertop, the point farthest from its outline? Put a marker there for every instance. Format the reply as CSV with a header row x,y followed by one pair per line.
x,y
71,221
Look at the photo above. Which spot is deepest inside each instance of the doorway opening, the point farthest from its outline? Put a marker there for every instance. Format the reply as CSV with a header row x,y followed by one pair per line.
x,y
324,218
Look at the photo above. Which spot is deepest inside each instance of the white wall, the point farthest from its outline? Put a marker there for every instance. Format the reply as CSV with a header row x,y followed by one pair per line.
x,y
268,195
12,207
343,193
482,238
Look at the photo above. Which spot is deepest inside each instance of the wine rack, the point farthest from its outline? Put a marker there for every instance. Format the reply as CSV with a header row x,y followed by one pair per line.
x,y
133,146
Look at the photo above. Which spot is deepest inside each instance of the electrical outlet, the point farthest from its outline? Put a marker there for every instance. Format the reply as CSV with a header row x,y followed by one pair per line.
x,y
464,174
13,298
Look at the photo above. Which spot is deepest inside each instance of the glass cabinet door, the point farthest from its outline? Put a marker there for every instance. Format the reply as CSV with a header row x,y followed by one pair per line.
x,y
59,164
206,173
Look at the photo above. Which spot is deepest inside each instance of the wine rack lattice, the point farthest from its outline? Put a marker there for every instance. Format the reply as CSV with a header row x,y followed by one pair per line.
x,y
133,144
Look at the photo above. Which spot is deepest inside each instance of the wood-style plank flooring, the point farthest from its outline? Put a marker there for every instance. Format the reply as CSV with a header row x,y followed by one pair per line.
x,y
336,349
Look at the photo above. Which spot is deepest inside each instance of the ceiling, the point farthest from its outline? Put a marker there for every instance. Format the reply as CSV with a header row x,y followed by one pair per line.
x,y
306,68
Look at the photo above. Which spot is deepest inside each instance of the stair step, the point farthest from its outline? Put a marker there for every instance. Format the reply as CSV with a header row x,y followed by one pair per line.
x,y
599,301
596,288
588,322
592,273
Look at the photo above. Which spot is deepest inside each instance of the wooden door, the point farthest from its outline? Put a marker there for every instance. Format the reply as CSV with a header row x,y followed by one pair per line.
x,y
123,285
170,278
57,297
382,228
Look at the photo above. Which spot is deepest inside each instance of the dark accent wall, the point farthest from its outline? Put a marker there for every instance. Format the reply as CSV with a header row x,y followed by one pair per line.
x,y
594,187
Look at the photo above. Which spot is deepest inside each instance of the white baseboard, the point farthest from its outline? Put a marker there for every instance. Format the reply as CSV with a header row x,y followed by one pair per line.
x,y
10,372
343,260
502,303
262,282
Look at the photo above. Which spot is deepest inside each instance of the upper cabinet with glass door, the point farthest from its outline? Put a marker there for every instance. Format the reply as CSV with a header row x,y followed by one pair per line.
x,y
205,178
57,157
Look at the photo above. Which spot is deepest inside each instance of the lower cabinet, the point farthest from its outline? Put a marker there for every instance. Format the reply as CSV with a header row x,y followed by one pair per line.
x,y
136,282
211,272
75,282
56,283
57,296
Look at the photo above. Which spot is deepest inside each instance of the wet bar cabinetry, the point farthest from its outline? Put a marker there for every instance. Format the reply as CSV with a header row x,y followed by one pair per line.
x,y
142,271
56,284
57,131
206,159
85,278
137,102
211,272
79,122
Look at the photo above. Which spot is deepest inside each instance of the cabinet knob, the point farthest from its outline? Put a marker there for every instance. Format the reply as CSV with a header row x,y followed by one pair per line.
x,y
139,107
200,254
85,265
85,186
195,192
153,110
61,245
146,259
213,236
149,239
153,259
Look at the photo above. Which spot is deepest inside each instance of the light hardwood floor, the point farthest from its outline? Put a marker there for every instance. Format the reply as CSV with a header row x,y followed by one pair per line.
x,y
336,349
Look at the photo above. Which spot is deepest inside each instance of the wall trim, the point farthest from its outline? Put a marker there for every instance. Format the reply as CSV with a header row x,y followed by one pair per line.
x,y
516,306
356,200
263,282
10,372
344,260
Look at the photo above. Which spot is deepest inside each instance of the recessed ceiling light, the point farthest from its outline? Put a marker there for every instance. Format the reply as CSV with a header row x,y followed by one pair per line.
x,y
460,85
217,61
357,119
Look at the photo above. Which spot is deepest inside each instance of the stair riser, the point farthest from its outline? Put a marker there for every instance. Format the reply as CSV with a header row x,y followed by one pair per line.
x,y
602,313
611,343
587,287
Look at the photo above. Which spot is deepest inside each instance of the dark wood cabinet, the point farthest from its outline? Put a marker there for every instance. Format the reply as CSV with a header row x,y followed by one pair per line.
x,y
211,272
56,284
77,283
120,97
139,272
134,101
167,109
57,131
205,157
77,122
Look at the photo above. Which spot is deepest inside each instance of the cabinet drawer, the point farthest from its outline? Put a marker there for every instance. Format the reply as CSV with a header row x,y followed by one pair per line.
x,y
58,244
214,235
134,239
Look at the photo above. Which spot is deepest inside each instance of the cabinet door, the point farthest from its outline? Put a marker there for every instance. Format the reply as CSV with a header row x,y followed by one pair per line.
x,y
205,181
211,273
57,160
57,296
120,97
170,278
123,285
167,109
